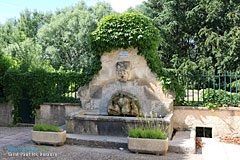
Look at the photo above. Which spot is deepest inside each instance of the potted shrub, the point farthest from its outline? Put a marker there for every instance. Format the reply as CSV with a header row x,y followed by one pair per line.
x,y
46,134
148,137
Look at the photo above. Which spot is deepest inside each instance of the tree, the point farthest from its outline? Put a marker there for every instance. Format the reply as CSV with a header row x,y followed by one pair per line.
x,y
29,22
144,10
65,39
200,33
101,10
27,54
18,39
220,34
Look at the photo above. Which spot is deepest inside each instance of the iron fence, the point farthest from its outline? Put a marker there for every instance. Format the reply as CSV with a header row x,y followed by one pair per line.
x,y
211,87
66,92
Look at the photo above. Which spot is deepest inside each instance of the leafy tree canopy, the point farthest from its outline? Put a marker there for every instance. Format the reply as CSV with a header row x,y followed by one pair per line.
x,y
65,40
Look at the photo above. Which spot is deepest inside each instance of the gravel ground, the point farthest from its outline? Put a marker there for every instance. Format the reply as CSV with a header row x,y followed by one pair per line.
x,y
20,137
8,131
68,152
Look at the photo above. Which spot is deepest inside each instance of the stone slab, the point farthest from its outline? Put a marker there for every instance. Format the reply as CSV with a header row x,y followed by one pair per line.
x,y
54,113
6,117
97,141
183,142
108,125
176,146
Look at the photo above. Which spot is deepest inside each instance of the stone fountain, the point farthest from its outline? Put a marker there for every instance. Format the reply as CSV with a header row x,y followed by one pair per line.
x,y
124,88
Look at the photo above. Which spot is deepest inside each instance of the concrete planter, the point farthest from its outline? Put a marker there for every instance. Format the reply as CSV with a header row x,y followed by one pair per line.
x,y
52,138
142,145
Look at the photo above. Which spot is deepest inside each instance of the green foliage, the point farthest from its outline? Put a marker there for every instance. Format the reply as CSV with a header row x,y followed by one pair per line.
x,y
46,128
203,33
149,128
65,40
27,54
152,134
40,86
124,31
223,97
202,104
212,99
5,63
18,39
132,30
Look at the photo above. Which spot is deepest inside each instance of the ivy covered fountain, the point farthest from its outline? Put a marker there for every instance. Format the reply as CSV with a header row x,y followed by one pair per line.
x,y
124,79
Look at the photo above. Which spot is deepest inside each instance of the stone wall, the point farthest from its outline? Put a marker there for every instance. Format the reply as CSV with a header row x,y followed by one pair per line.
x,y
128,75
92,124
6,117
54,113
223,121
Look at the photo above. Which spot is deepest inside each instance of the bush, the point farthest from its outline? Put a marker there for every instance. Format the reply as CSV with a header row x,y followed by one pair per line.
x,y
149,128
46,128
124,31
5,63
210,96
147,133
40,86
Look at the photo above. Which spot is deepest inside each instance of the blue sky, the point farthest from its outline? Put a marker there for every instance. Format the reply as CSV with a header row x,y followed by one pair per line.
x,y
12,8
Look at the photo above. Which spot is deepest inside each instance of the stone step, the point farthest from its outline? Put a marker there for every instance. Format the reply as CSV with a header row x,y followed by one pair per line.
x,y
183,142
97,141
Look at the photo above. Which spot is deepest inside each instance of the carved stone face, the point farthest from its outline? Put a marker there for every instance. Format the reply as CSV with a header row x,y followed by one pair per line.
x,y
123,70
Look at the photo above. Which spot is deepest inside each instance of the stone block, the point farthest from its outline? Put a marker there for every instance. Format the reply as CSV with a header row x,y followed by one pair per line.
x,y
52,138
54,113
142,145
222,121
96,92
6,116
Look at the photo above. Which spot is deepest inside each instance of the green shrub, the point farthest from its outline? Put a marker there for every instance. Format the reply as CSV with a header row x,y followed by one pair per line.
x,y
46,128
213,96
40,86
5,63
147,133
149,127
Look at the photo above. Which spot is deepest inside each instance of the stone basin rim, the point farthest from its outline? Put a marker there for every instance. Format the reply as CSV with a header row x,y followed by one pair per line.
x,y
88,117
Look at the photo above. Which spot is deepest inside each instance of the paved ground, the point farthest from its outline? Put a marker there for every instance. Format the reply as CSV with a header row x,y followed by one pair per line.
x,y
21,138
13,136
68,152
213,149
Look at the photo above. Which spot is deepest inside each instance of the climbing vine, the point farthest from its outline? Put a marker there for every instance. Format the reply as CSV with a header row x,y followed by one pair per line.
x,y
137,31
40,86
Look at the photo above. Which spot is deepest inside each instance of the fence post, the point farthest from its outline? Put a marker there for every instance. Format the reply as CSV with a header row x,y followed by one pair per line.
x,y
203,87
225,85
230,87
193,88
236,88
208,84
198,84
219,86
214,86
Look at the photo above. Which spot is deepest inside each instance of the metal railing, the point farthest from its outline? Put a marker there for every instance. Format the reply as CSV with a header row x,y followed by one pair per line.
x,y
66,93
210,87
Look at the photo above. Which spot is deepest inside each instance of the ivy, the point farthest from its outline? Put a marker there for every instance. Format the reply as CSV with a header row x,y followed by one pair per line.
x,y
40,86
5,63
137,31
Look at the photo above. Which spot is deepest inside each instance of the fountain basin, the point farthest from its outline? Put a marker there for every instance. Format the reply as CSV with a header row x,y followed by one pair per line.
x,y
91,124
